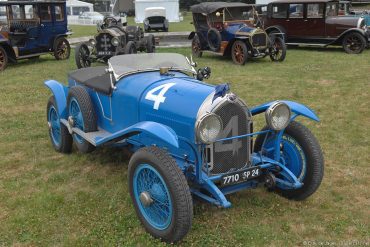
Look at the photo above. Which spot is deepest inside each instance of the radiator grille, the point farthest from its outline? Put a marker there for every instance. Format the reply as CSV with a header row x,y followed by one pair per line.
x,y
233,154
104,44
259,39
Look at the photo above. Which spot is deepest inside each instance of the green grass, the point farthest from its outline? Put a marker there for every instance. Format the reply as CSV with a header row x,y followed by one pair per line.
x,y
47,198
83,30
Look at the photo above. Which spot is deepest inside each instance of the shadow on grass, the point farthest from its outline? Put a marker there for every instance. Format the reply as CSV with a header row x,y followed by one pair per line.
x,y
320,49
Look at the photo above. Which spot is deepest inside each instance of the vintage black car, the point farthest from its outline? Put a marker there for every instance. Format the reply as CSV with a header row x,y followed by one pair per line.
x,y
29,29
233,29
113,38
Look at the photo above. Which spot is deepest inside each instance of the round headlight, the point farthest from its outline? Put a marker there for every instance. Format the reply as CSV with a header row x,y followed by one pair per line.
x,y
115,41
92,42
208,128
278,116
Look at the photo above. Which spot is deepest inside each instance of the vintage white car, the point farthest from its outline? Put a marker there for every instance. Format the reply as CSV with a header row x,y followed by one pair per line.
x,y
155,19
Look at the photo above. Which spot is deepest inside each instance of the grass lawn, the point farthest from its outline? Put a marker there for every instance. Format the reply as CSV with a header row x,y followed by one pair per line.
x,y
47,198
84,30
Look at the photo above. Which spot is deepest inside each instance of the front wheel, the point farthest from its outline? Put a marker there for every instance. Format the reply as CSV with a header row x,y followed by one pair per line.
x,y
160,194
130,48
354,43
301,153
278,50
62,49
82,56
239,52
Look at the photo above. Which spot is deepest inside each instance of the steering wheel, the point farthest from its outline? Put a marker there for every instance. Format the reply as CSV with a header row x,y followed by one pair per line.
x,y
108,20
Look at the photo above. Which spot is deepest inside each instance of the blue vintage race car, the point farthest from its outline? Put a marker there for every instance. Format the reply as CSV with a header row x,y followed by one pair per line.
x,y
188,137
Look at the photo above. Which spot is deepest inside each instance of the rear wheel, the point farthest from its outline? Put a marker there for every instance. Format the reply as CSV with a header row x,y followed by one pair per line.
x,y
354,43
59,135
62,49
82,56
82,116
239,52
130,48
160,194
196,46
150,45
3,59
301,154
278,50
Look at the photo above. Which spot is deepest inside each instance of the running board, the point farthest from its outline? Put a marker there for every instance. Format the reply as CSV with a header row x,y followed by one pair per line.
x,y
32,55
307,44
91,137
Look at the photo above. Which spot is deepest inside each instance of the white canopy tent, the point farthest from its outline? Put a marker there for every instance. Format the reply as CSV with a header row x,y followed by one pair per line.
x,y
171,6
75,7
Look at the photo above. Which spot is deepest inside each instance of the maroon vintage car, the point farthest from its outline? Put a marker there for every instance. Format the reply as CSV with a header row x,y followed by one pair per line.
x,y
316,22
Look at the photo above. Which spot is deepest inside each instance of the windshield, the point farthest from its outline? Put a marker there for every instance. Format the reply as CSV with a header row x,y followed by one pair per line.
x,y
3,19
129,64
240,13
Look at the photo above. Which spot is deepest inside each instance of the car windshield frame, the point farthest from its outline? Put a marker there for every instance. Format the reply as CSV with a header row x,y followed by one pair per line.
x,y
227,12
125,65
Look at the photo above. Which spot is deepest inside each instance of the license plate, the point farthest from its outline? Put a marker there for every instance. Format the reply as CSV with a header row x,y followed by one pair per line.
x,y
102,53
241,176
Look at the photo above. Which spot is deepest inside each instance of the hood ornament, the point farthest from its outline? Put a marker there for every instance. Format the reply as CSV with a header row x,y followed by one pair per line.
x,y
221,90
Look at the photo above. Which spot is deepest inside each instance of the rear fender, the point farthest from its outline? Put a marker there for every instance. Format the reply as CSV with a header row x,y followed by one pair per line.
x,y
297,108
60,93
153,129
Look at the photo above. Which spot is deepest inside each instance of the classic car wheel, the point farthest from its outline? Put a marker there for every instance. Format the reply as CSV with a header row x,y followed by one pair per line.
x,y
59,135
130,48
82,116
354,43
3,59
150,44
160,194
301,153
214,39
239,52
196,46
62,49
278,50
82,56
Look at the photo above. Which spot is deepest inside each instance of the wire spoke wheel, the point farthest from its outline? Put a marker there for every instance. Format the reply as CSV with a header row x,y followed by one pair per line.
x,y
278,50
77,118
152,196
84,56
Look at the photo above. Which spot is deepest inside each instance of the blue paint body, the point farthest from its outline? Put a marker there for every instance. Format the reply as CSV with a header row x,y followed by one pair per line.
x,y
40,37
128,117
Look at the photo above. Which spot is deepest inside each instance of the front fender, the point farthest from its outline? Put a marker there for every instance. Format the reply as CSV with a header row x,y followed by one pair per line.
x,y
60,93
296,108
191,35
157,130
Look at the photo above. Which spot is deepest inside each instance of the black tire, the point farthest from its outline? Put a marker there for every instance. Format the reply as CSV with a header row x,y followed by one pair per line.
x,y
278,50
3,59
354,43
150,43
196,46
82,56
130,48
64,144
314,160
239,52
214,39
81,96
61,49
181,200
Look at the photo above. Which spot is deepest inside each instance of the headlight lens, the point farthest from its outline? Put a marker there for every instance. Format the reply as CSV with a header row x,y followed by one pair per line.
x,y
208,128
115,41
278,116
92,42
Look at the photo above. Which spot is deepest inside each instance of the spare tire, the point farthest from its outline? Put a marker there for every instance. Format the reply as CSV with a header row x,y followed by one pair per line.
x,y
214,39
